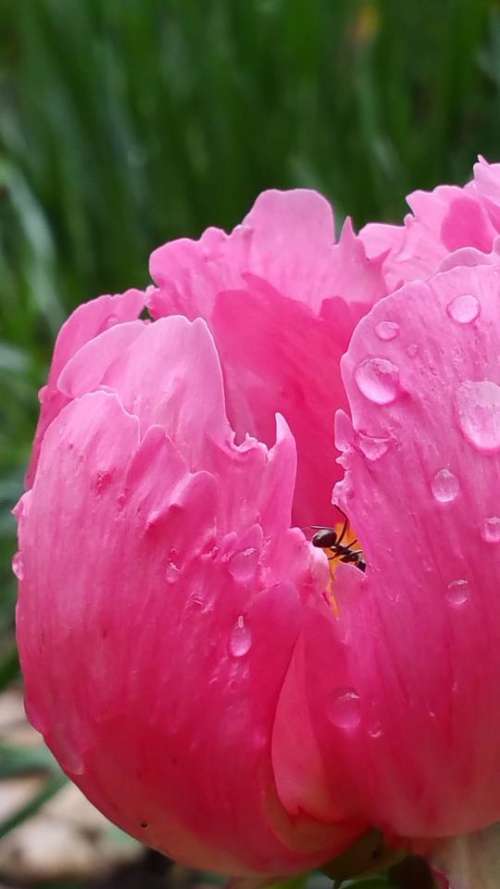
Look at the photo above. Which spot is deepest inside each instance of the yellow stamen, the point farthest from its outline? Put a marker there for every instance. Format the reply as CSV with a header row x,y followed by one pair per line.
x,y
334,560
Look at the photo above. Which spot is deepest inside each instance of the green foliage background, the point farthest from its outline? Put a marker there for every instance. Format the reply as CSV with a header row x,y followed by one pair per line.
x,y
124,123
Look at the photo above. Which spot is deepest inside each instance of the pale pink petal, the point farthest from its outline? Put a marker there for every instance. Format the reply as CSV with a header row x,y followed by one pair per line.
x,y
286,239
442,221
85,323
415,716
487,187
379,238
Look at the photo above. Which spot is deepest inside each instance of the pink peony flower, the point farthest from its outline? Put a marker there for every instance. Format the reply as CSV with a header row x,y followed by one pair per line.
x,y
157,559
184,651
453,225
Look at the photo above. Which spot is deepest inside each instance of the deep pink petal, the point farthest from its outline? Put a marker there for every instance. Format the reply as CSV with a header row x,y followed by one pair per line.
x,y
277,355
159,568
418,722
282,300
85,323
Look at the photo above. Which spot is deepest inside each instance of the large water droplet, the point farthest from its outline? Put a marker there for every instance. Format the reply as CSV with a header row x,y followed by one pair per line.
x,y
378,380
444,486
18,566
387,330
478,411
464,308
243,564
372,447
490,531
375,730
345,708
458,592
240,640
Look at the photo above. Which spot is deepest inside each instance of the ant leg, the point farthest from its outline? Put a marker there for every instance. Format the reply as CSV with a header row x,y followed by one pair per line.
x,y
343,532
342,513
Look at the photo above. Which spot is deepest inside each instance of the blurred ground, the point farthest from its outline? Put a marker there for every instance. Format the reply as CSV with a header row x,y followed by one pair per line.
x,y
66,838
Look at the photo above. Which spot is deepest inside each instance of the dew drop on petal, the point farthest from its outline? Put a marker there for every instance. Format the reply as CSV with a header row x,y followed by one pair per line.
x,y
345,708
378,380
243,564
344,433
18,566
458,592
444,486
240,640
70,759
478,411
464,308
387,330
372,447
490,531
375,730
172,573
35,716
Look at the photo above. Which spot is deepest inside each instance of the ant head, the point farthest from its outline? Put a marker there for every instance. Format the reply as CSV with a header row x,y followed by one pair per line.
x,y
325,538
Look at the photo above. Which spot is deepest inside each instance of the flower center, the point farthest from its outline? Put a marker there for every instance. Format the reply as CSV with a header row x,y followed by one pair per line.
x,y
339,544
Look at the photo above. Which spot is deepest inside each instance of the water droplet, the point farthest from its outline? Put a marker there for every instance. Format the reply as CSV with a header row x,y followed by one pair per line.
x,y
478,411
18,566
387,330
343,431
372,447
172,573
345,709
375,730
70,759
240,640
444,486
243,564
196,600
491,529
378,380
464,308
458,592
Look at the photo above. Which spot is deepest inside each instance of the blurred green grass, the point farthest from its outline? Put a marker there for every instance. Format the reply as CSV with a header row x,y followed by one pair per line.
x,y
124,123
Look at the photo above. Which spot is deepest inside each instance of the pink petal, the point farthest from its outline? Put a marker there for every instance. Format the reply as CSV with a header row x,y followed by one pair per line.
x,y
282,300
159,569
418,725
278,356
286,239
86,321
444,220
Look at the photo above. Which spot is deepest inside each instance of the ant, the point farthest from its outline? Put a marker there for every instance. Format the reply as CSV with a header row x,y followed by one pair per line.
x,y
328,539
